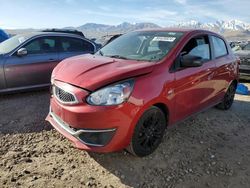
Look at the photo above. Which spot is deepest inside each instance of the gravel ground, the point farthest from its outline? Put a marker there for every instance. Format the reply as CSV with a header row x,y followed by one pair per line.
x,y
211,149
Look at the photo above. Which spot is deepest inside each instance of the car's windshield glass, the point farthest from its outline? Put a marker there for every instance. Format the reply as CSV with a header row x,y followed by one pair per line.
x,y
142,45
10,44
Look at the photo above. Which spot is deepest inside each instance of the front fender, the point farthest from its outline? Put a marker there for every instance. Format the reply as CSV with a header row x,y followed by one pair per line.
x,y
151,94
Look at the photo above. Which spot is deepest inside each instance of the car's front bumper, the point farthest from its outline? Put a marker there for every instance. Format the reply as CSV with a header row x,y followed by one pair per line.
x,y
94,128
90,137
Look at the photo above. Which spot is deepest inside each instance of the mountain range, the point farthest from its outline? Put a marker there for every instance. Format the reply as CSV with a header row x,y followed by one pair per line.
x,y
233,29
97,30
220,26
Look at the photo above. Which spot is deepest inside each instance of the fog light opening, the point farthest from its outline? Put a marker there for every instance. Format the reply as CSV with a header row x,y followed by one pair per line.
x,y
96,138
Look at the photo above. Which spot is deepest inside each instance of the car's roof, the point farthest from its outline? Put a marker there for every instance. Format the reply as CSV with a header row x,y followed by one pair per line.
x,y
172,29
33,34
56,34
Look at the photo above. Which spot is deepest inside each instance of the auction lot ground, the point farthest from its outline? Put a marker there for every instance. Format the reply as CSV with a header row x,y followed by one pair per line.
x,y
211,149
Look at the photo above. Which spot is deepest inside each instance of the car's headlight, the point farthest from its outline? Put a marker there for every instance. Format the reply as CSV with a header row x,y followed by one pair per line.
x,y
112,95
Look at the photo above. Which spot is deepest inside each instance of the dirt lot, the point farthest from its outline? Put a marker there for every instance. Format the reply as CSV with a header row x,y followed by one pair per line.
x,y
208,150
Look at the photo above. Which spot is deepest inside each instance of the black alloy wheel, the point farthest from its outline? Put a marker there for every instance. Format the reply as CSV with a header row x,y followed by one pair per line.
x,y
148,132
228,98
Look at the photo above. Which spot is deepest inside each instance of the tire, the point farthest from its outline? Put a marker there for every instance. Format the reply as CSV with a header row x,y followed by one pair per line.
x,y
148,132
228,98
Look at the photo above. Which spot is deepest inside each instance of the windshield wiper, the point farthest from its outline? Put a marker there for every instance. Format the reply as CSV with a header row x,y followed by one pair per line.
x,y
118,56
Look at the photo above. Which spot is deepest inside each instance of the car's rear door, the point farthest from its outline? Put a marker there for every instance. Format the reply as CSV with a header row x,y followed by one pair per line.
x,y
33,69
224,66
193,85
72,46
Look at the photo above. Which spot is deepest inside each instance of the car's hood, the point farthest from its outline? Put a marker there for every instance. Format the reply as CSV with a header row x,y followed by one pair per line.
x,y
243,53
94,71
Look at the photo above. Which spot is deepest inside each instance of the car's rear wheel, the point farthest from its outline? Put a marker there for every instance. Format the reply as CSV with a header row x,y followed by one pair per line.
x,y
228,98
148,132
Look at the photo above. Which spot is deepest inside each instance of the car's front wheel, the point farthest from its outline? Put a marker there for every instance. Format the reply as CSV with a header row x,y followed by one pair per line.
x,y
148,132
228,98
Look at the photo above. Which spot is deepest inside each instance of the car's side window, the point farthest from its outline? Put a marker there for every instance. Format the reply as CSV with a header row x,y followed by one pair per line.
x,y
70,44
198,46
220,48
41,45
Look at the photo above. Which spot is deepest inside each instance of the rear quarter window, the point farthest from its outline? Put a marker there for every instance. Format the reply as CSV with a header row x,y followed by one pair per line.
x,y
220,48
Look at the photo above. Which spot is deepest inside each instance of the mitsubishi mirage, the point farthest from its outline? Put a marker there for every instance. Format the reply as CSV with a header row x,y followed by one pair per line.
x,y
127,94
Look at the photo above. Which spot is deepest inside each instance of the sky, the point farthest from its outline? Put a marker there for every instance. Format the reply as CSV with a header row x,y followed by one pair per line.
x,y
17,14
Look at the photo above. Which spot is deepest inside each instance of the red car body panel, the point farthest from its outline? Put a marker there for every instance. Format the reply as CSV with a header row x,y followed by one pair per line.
x,y
182,93
92,72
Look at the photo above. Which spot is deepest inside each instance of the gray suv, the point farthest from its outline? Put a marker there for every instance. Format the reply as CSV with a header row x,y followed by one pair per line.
x,y
27,60
244,54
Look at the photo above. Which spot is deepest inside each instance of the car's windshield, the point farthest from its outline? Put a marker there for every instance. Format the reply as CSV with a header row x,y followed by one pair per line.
x,y
10,44
142,45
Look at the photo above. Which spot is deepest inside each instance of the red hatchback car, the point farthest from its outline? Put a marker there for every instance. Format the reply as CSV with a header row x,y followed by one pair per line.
x,y
130,91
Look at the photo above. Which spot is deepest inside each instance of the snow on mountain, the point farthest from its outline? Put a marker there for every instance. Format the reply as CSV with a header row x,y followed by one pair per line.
x,y
218,26
125,26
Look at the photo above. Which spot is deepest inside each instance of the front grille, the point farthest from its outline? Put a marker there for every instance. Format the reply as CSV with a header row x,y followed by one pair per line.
x,y
245,61
63,96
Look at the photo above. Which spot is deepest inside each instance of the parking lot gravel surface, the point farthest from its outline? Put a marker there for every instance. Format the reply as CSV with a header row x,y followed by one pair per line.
x,y
211,149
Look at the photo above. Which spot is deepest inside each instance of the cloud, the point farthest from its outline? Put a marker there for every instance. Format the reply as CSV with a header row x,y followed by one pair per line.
x,y
69,2
182,2
161,12
213,10
153,15
105,8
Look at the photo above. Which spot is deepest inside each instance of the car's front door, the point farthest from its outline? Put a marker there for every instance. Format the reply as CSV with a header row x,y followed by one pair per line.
x,y
33,69
194,85
72,46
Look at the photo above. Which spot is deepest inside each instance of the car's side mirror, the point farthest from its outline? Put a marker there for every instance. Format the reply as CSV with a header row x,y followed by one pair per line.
x,y
191,61
22,52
